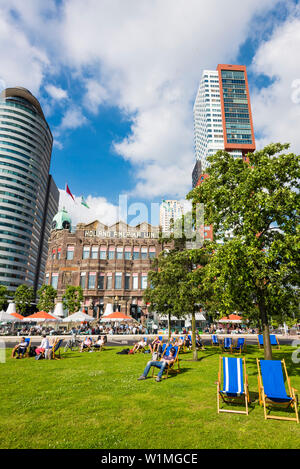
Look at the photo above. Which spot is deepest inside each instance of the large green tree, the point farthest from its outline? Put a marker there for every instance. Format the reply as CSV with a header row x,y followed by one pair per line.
x,y
47,295
23,297
256,271
72,299
3,296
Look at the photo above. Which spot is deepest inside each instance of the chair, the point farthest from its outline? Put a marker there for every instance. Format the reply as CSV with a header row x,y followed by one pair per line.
x,y
271,387
240,345
26,354
227,344
273,341
215,341
57,345
235,384
170,368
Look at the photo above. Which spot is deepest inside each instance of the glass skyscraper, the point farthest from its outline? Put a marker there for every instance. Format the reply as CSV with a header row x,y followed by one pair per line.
x,y
28,195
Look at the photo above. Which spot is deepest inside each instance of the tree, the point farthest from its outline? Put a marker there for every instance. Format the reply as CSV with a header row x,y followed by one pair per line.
x,y
256,272
23,298
3,296
72,298
47,295
176,286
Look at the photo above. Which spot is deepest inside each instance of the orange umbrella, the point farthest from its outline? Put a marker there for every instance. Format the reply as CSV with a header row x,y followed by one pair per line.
x,y
116,317
17,315
39,317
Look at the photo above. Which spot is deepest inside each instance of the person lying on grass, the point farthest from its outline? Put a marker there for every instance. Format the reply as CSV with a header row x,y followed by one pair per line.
x,y
162,364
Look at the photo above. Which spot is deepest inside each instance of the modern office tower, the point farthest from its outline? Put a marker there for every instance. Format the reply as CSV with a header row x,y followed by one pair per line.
x,y
222,113
28,195
169,212
197,171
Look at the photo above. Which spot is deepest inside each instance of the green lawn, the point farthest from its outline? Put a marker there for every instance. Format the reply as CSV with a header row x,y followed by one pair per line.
x,y
93,400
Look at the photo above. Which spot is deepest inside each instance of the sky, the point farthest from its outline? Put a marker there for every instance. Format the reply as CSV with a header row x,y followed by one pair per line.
x,y
117,80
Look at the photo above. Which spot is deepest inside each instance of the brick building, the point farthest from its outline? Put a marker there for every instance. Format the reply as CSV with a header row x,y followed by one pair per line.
x,y
111,263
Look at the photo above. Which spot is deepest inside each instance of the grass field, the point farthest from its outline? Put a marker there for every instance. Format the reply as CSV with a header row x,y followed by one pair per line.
x,y
93,400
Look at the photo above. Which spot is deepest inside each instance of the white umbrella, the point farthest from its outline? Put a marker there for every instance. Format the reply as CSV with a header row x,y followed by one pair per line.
x,y
5,317
59,310
79,317
11,308
108,310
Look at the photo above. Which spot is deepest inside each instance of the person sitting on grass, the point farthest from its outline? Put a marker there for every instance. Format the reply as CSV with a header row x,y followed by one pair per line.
x,y
153,346
162,364
86,344
20,349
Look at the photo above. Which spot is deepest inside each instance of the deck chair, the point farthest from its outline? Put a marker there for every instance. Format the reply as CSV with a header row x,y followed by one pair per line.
x,y
235,384
227,344
26,354
173,368
273,340
239,346
271,387
56,347
215,341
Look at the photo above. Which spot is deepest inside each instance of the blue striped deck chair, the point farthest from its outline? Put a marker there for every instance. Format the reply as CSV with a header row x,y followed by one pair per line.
x,y
215,340
235,384
175,367
227,344
273,341
271,387
56,347
240,345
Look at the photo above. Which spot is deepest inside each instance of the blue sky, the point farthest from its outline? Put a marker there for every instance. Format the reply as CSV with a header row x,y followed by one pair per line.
x,y
117,80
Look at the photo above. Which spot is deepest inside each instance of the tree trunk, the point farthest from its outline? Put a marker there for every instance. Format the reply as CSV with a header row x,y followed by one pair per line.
x,y
169,324
194,348
265,331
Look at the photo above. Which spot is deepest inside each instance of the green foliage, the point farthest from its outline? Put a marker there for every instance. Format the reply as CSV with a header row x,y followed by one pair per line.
x,y
73,298
47,295
3,296
23,298
257,272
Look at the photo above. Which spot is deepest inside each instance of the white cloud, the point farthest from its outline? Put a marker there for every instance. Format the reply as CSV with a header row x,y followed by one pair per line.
x,y
56,92
99,209
72,119
276,108
95,95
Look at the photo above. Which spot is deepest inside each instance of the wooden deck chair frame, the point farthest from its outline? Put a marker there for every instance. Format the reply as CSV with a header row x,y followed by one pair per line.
x,y
225,350
240,349
243,399
53,351
26,354
172,367
265,402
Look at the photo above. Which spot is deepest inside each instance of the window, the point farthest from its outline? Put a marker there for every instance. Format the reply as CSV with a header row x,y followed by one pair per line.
x,y
92,281
53,254
101,282
144,281
47,279
111,252
144,252
119,252
135,281
109,281
102,252
152,252
127,281
136,253
118,280
127,254
70,253
86,252
54,280
82,280
58,254
95,252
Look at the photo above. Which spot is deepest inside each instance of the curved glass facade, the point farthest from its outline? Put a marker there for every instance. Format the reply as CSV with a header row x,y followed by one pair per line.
x,y
25,153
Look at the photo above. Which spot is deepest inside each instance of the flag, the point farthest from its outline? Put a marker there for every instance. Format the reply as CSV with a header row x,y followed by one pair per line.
x,y
69,192
83,202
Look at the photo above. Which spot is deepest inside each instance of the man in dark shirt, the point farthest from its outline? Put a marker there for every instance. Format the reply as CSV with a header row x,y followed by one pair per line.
x,y
162,364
